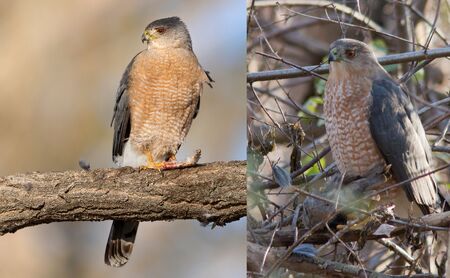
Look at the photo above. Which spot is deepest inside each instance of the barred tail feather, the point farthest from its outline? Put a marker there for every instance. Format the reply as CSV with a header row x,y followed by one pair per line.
x,y
120,242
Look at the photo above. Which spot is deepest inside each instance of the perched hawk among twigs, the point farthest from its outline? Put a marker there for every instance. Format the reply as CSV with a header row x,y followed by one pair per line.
x,y
371,123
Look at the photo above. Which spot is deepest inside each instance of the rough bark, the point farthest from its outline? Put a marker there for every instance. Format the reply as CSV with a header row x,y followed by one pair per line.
x,y
211,193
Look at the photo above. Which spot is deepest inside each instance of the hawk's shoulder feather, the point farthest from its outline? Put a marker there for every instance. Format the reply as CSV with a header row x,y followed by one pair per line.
x,y
400,137
121,116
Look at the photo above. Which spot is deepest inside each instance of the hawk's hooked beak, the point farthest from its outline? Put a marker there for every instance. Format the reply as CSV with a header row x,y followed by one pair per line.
x,y
334,56
145,37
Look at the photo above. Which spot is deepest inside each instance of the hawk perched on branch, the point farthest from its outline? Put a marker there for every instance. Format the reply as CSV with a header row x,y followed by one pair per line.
x,y
371,123
158,97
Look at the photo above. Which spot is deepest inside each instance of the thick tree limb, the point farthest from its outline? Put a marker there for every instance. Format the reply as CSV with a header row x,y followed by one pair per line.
x,y
214,192
385,60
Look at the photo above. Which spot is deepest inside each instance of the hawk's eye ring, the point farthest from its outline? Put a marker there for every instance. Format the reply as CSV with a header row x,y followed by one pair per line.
x,y
160,30
350,53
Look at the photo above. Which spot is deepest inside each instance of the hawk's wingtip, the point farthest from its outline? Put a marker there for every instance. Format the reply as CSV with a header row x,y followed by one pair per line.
x,y
210,80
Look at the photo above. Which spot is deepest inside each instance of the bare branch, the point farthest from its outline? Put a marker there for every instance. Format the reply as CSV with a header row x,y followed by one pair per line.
x,y
323,4
441,149
250,13
309,263
214,192
385,60
287,237
422,17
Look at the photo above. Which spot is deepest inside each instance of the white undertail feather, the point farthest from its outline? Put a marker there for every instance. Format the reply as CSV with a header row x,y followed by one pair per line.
x,y
130,157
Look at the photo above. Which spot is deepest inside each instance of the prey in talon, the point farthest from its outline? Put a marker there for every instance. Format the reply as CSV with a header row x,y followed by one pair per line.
x,y
172,163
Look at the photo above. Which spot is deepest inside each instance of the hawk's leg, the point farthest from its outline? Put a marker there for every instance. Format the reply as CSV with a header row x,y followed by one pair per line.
x,y
172,163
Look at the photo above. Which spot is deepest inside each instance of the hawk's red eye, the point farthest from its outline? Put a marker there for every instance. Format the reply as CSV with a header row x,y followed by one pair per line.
x,y
350,53
160,29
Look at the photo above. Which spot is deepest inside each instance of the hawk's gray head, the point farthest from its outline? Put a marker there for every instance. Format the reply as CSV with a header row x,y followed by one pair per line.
x,y
167,32
353,56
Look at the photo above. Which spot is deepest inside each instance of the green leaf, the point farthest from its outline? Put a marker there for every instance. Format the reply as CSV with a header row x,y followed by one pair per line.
x,y
391,68
419,76
378,45
319,86
254,159
311,104
315,168
320,122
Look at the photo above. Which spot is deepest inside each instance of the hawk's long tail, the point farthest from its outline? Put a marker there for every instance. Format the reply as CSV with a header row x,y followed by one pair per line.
x,y
120,242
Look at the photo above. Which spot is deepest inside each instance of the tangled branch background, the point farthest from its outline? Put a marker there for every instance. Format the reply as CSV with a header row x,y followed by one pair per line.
x,y
301,218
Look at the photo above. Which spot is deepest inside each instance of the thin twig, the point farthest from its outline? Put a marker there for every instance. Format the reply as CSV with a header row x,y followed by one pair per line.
x,y
311,72
400,251
249,16
323,4
433,105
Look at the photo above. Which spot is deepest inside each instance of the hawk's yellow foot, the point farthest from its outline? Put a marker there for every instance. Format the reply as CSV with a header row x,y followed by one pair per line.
x,y
152,164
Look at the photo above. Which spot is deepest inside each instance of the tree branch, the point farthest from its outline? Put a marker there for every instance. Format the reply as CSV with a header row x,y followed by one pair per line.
x,y
323,4
214,192
286,237
385,60
308,263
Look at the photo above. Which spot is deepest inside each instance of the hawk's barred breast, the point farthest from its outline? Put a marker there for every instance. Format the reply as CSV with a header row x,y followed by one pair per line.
x,y
164,93
346,106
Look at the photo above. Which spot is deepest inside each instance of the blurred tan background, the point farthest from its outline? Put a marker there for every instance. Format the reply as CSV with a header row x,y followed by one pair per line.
x,y
61,63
